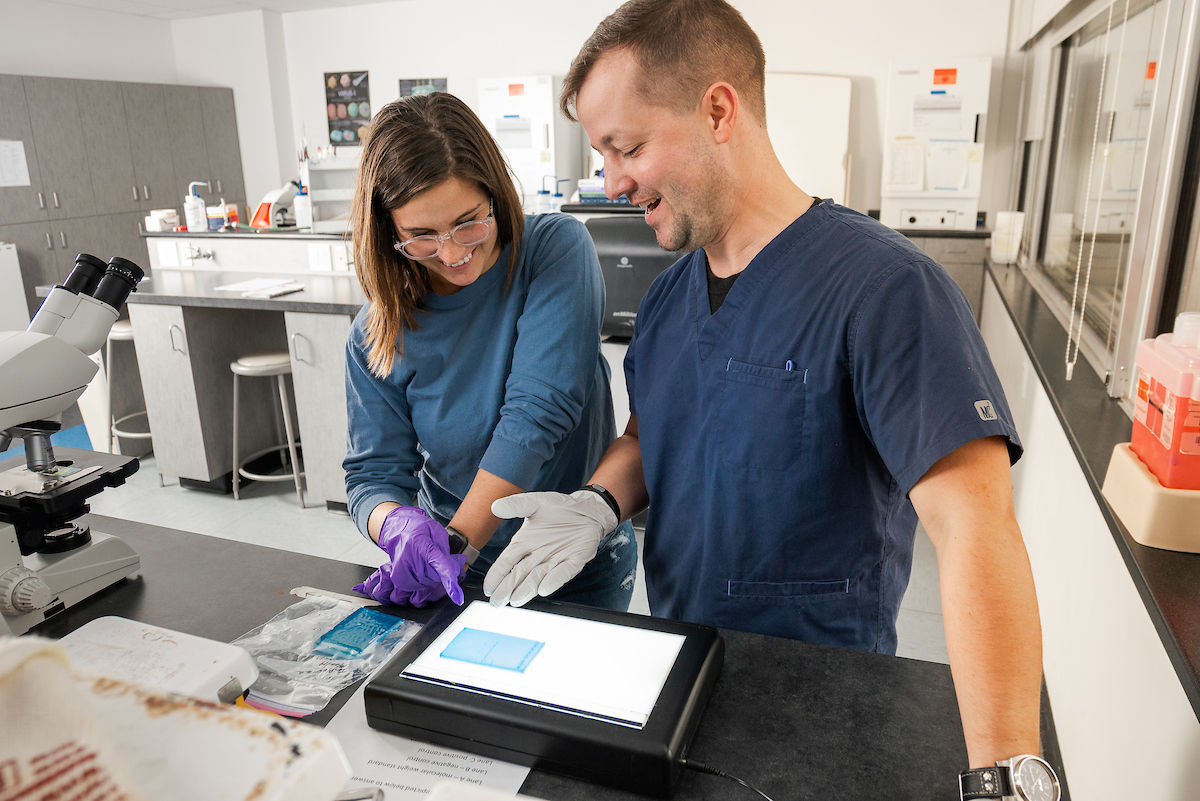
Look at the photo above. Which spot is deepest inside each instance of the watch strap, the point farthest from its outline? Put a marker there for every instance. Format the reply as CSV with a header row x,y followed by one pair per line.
x,y
460,544
608,498
991,782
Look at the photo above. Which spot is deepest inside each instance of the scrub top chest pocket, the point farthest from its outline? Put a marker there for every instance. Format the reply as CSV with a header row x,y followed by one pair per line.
x,y
760,416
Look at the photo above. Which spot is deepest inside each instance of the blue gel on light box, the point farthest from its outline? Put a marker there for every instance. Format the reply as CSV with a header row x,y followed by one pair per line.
x,y
356,633
490,649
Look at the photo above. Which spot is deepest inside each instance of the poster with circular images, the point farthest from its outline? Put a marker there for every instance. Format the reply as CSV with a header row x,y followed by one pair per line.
x,y
347,106
421,86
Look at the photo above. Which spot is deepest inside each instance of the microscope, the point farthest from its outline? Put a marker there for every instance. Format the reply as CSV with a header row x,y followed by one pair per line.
x,y
49,560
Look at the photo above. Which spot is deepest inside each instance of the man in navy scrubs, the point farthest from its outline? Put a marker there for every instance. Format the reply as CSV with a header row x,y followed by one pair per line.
x,y
805,385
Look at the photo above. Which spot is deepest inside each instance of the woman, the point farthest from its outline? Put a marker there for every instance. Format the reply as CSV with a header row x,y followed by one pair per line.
x,y
474,371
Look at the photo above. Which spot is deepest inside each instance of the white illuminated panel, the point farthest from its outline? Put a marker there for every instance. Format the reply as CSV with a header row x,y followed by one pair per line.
x,y
583,667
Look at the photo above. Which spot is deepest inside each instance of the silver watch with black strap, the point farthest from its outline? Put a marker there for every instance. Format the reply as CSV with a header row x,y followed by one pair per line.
x,y
1022,778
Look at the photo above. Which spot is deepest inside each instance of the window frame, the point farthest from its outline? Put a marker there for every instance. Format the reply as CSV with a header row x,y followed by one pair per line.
x,y
1160,187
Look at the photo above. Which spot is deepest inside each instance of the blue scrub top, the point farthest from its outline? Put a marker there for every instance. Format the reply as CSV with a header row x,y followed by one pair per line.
x,y
781,435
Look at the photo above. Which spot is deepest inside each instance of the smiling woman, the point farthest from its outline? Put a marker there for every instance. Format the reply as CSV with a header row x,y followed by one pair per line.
x,y
468,381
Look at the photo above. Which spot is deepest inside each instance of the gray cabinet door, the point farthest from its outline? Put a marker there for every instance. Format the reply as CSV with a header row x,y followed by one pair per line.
x,y
221,140
125,234
150,143
59,135
37,256
19,203
80,235
110,158
164,362
318,349
185,121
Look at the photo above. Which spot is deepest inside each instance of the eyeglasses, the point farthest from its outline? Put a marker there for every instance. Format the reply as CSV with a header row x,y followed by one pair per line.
x,y
469,233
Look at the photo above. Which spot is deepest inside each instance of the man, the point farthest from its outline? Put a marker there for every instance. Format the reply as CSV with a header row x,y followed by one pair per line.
x,y
804,387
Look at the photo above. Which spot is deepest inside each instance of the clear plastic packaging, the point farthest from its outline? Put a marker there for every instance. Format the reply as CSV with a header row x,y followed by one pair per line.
x,y
305,654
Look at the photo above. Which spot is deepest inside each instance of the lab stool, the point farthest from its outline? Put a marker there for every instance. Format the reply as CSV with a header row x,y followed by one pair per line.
x,y
121,331
258,365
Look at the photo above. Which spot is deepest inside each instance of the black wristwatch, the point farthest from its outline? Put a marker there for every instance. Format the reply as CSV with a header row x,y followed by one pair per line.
x,y
460,544
608,498
1023,778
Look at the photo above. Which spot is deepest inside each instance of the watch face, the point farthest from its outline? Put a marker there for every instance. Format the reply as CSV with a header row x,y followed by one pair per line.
x,y
1034,780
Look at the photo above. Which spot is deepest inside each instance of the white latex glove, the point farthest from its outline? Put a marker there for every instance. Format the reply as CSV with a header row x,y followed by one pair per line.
x,y
560,535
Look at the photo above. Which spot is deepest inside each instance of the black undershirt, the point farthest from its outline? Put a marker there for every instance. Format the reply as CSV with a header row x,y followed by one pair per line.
x,y
718,288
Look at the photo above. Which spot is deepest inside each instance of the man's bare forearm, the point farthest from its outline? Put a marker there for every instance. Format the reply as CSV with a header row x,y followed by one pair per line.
x,y
620,472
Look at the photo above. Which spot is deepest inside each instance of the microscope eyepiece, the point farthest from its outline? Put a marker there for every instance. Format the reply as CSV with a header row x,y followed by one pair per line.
x,y
120,278
85,275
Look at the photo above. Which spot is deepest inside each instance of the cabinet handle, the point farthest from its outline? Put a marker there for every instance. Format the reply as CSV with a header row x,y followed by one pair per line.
x,y
171,332
49,242
145,192
41,201
135,197
218,186
296,349
55,196
62,237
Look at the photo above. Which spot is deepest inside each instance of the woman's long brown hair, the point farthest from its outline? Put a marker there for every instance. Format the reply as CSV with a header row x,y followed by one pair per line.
x,y
415,144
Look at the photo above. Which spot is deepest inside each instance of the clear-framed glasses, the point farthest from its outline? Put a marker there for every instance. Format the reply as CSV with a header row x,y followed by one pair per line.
x,y
472,232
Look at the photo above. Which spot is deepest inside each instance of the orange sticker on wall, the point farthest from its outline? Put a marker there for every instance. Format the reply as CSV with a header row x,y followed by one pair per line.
x,y
945,77
516,90
1151,69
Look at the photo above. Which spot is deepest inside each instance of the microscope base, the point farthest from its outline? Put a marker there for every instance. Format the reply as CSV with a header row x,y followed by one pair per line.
x,y
73,576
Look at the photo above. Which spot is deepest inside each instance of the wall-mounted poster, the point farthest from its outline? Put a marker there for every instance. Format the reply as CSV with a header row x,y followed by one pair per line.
x,y
421,86
347,106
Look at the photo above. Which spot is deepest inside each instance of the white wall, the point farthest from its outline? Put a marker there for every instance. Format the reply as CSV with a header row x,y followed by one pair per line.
x,y
275,62
60,41
245,51
1125,727
856,38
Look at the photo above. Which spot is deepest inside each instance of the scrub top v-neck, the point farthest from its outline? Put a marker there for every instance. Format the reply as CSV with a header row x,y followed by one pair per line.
x,y
780,435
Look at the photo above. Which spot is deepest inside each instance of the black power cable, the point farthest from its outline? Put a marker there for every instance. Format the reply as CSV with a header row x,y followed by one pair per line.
x,y
700,767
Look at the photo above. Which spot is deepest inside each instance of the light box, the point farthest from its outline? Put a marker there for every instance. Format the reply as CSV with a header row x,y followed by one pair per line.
x,y
605,696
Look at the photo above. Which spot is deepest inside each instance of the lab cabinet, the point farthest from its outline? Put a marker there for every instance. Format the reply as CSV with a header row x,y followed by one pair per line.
x,y
189,154
150,137
100,154
109,151
318,351
963,257
46,250
36,255
221,144
61,140
19,204
183,355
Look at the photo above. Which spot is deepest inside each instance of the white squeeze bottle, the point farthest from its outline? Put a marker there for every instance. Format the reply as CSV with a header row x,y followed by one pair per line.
x,y
194,213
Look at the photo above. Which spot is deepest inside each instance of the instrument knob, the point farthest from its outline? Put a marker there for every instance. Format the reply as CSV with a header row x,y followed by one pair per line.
x,y
22,590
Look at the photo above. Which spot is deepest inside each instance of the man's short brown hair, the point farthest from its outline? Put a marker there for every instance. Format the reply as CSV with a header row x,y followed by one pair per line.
x,y
682,47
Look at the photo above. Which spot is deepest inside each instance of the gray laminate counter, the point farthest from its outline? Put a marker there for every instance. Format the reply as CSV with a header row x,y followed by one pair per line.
x,y
322,293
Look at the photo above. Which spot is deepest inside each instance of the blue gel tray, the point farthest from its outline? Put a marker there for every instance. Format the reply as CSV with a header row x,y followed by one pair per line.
x,y
357,632
492,650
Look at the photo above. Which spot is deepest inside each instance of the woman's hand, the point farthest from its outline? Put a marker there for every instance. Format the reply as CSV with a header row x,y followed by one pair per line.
x,y
420,567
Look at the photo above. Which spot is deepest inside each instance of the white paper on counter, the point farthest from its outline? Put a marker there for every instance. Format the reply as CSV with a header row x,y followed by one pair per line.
x,y
407,770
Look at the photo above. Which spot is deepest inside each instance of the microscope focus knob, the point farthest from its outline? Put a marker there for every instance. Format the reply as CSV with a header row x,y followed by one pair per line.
x,y
22,590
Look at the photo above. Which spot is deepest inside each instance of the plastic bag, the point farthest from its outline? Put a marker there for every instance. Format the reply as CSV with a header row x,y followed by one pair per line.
x,y
296,676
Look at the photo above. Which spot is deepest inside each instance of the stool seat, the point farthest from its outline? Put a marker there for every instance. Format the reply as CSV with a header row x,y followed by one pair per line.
x,y
121,331
260,364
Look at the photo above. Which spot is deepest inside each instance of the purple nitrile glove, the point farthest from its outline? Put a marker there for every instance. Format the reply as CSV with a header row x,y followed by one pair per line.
x,y
420,567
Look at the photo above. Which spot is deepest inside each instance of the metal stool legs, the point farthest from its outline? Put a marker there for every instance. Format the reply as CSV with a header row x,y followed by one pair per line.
x,y
239,471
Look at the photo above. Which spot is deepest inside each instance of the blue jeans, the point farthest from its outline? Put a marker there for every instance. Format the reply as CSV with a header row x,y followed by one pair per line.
x,y
605,582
